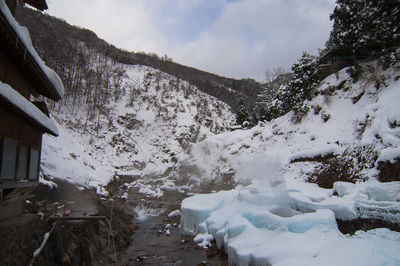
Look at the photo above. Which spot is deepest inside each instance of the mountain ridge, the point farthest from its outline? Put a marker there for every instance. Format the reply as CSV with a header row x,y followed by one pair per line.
x,y
52,33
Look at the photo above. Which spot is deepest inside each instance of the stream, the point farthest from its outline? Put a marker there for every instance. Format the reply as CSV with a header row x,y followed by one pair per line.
x,y
157,239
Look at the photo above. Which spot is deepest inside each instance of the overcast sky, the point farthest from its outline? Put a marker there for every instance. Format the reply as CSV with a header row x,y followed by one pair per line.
x,y
234,38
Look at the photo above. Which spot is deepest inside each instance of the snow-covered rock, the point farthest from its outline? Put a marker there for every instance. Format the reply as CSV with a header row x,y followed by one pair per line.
x,y
175,213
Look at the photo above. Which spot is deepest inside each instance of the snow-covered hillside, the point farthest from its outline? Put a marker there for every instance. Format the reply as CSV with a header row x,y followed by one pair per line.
x,y
274,217
357,120
141,133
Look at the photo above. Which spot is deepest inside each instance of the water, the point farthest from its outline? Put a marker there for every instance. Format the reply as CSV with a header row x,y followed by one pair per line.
x,y
150,243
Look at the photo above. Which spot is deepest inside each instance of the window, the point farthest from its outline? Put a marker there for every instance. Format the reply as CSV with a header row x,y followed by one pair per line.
x,y
9,159
33,164
18,161
22,170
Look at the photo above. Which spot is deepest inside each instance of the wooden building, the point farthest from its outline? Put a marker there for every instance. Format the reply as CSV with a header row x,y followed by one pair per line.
x,y
23,121
333,59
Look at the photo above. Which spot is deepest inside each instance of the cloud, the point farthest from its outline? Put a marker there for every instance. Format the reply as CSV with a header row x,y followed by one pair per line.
x,y
126,24
236,38
253,35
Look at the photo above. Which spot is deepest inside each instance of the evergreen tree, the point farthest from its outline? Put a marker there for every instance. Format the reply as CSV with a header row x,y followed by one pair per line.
x,y
361,24
292,96
241,112
262,114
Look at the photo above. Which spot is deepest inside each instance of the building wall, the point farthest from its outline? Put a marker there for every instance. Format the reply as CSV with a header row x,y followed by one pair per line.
x,y
17,128
10,75
12,5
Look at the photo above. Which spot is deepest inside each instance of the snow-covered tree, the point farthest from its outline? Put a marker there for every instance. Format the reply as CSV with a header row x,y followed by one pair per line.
x,y
293,95
241,112
361,24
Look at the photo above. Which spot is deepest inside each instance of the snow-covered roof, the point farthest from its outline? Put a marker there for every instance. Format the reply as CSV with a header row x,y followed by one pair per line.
x,y
27,109
22,35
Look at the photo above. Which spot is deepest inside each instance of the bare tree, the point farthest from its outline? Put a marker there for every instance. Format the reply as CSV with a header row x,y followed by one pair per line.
x,y
271,75
274,80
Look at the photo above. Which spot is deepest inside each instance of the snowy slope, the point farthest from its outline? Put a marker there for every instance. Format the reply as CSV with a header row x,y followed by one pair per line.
x,y
273,217
345,118
157,118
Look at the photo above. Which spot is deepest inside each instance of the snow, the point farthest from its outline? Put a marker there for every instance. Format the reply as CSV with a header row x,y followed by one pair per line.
x,y
47,182
124,196
204,240
101,191
370,199
142,139
38,250
369,123
65,157
273,217
323,151
255,227
28,108
23,35
175,213
147,116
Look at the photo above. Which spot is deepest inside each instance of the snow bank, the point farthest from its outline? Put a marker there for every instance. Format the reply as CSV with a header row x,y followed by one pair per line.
x,y
24,37
21,103
256,225
68,157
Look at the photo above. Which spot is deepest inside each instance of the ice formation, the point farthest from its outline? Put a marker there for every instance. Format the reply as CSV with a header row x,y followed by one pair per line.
x,y
269,225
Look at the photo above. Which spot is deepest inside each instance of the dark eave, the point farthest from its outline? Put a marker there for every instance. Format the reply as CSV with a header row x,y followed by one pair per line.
x,y
17,53
39,4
